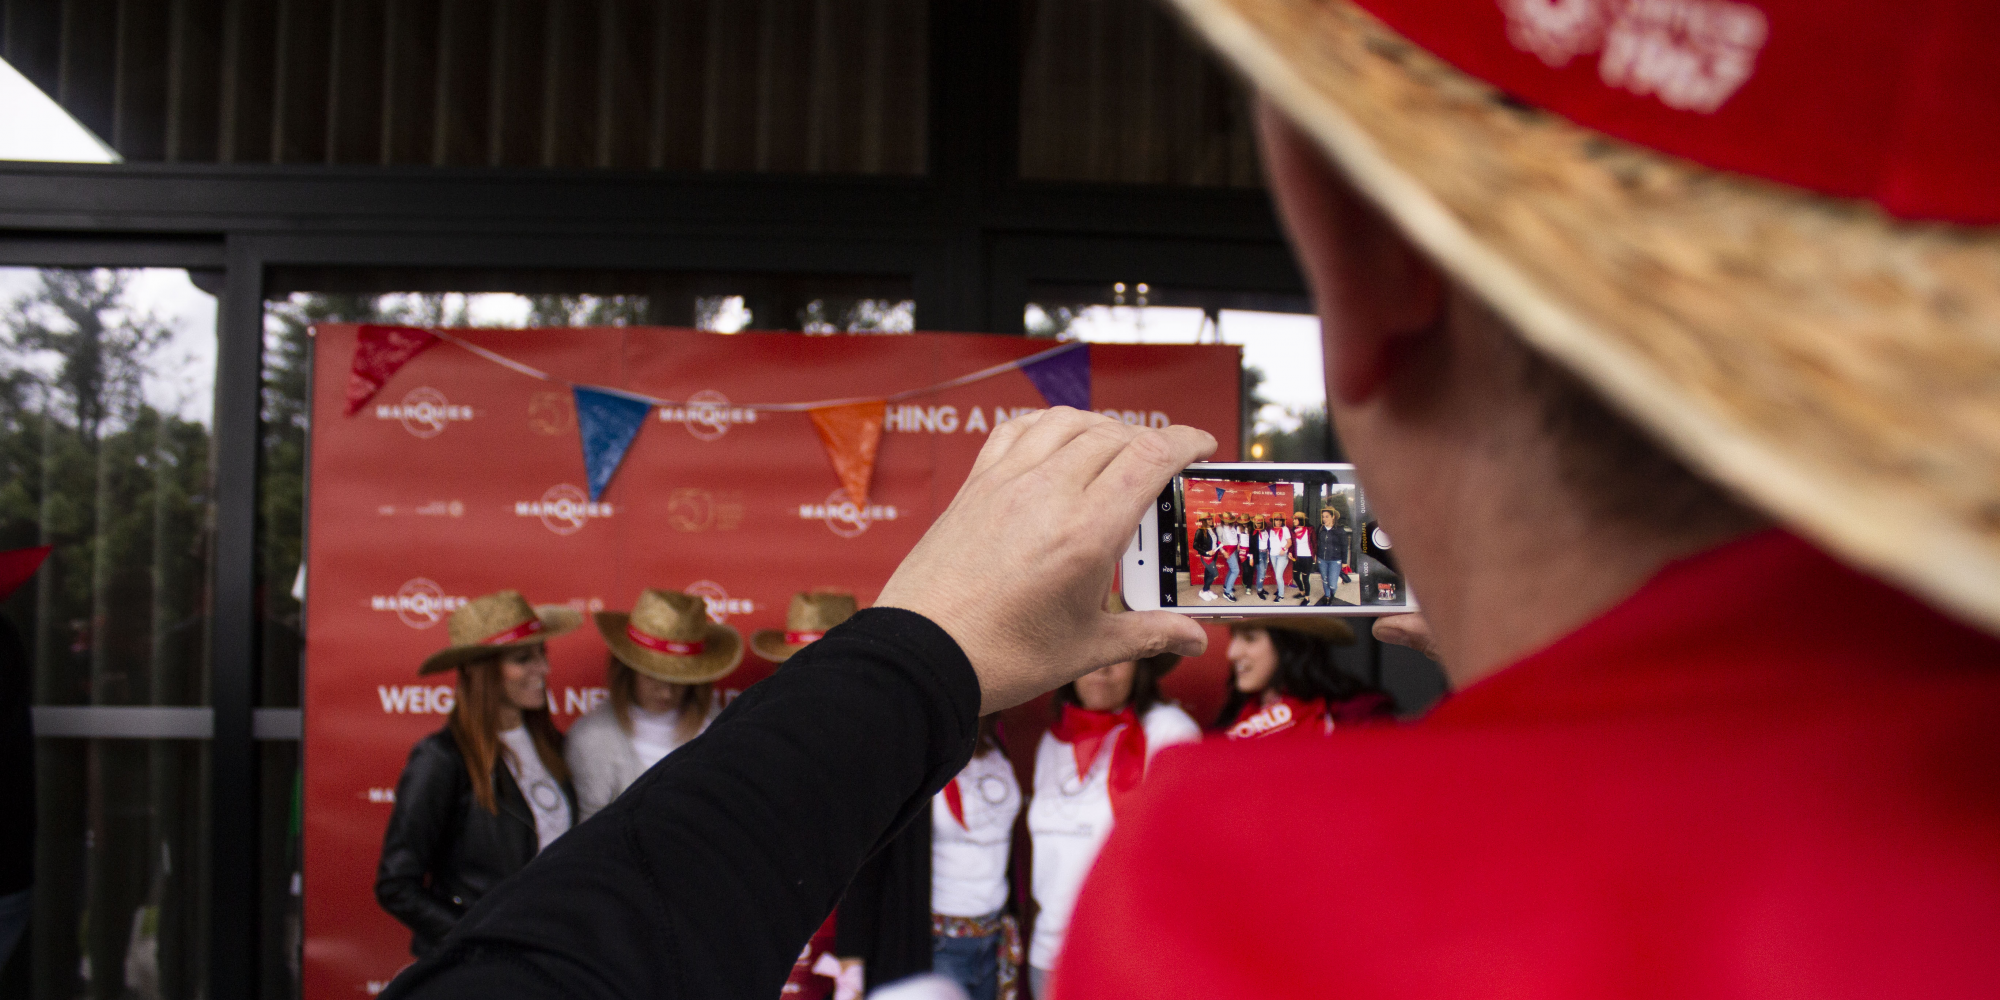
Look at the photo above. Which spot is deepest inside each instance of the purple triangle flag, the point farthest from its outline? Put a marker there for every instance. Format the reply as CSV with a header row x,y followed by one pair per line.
x,y
606,422
1063,379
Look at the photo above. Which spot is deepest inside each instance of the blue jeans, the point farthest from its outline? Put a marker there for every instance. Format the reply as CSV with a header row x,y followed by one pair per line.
x,y
1329,571
971,962
1262,563
1235,572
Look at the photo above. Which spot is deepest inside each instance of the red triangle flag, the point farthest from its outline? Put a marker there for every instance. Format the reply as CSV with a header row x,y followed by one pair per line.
x,y
17,565
378,352
851,433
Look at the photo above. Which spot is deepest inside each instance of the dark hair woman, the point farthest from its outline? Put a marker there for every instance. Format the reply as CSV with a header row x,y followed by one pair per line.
x,y
1109,725
481,797
1283,679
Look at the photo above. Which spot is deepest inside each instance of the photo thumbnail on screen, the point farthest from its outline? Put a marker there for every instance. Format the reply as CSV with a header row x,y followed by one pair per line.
x,y
1282,537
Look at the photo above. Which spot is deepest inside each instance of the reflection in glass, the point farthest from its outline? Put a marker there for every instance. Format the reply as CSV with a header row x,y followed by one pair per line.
x,y
106,386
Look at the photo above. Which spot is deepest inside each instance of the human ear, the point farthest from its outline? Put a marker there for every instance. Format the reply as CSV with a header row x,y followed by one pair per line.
x,y
1376,292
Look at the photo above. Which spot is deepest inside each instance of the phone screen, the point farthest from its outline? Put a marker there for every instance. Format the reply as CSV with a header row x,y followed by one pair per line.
x,y
1267,538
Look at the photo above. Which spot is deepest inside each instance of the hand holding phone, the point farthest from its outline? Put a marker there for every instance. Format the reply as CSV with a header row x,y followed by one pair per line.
x,y
1252,540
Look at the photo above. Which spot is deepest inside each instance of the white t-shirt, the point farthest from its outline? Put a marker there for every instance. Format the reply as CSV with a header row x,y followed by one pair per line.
x,y
969,861
545,797
1070,817
656,734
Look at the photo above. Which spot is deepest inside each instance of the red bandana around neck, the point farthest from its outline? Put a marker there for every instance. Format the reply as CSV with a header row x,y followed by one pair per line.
x,y
955,801
1085,731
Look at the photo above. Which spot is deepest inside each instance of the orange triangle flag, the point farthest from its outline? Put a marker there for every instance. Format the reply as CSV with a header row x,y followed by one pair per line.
x,y
851,433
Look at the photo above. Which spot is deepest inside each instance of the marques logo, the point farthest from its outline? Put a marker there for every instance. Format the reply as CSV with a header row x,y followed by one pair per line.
x,y
707,415
420,603
720,604
563,509
424,412
843,516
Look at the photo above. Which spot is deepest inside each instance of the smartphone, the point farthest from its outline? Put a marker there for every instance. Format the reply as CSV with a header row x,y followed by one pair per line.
x,y
1228,540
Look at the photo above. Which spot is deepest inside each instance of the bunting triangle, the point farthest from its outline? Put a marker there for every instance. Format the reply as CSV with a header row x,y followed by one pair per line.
x,y
378,352
606,423
851,433
1063,379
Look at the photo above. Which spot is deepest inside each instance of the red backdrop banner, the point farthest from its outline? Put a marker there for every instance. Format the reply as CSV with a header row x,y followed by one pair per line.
x,y
462,477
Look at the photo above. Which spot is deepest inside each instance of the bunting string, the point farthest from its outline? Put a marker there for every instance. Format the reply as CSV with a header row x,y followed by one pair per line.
x,y
978,376
610,419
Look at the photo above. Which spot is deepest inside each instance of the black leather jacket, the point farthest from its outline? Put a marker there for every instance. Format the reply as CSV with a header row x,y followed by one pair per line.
x,y
442,850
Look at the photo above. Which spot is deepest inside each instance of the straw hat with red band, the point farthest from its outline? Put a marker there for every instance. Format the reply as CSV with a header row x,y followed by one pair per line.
x,y
808,618
1791,329
495,622
668,636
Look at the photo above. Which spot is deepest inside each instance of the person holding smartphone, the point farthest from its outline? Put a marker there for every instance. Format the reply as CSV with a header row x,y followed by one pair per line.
x,y
485,794
1109,725
1283,680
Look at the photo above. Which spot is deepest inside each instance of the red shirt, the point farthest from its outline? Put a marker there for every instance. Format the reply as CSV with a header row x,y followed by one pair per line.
x,y
1762,775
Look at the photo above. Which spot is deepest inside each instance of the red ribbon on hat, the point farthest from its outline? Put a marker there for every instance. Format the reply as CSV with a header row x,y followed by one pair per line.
x,y
801,638
515,634
664,645
1086,730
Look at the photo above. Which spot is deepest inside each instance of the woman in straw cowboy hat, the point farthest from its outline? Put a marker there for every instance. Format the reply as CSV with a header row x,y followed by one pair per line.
x,y
666,656
1109,725
481,797
1605,291
1282,679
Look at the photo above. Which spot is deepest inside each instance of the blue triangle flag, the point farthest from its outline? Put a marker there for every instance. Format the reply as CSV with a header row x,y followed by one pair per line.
x,y
1218,494
607,423
1063,379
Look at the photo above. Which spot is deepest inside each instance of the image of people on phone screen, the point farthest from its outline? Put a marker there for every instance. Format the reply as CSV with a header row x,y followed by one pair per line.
x,y
1268,544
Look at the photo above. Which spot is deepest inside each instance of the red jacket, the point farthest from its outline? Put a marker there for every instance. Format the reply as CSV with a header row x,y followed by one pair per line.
x,y
1763,775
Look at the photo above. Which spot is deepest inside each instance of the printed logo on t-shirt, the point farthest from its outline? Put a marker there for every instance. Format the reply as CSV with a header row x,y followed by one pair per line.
x,y
1692,55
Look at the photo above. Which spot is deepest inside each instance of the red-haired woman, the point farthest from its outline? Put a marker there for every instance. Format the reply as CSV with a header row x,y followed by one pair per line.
x,y
482,796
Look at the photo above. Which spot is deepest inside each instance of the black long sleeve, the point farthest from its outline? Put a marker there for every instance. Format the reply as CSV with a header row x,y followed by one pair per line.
x,y
426,797
708,875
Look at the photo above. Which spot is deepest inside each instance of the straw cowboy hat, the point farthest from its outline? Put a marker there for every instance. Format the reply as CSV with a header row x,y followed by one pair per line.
x,y
810,615
1827,345
495,622
1321,627
1161,664
668,636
